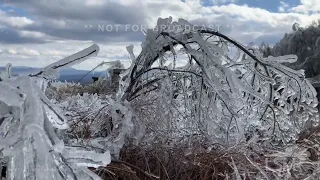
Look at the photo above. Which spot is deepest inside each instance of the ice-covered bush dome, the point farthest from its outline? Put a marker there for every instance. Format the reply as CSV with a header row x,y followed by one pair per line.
x,y
227,92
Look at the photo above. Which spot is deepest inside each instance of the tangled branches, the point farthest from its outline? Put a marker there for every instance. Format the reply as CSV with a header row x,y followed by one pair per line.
x,y
230,90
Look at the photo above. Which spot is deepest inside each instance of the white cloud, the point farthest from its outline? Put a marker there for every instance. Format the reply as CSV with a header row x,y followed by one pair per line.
x,y
17,21
14,21
95,2
12,51
217,2
29,52
33,34
307,7
249,24
283,6
22,51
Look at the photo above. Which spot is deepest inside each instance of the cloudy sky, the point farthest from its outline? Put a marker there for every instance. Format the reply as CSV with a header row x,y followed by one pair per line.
x,y
38,32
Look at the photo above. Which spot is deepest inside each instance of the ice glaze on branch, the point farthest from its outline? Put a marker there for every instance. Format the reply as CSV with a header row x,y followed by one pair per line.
x,y
248,85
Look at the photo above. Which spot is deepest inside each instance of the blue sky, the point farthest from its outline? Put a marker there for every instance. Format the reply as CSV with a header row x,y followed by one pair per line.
x,y
11,9
36,33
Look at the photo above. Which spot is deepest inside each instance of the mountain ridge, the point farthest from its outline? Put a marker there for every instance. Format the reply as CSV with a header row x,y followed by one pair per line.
x,y
66,74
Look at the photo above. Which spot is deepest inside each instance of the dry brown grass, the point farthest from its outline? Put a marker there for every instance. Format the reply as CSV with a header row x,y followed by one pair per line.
x,y
157,162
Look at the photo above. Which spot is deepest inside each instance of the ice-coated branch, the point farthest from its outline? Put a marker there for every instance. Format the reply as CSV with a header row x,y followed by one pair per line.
x,y
29,146
70,60
36,152
249,87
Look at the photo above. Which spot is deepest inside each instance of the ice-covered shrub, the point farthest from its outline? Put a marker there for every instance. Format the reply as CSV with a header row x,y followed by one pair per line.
x,y
94,118
61,90
225,93
87,116
29,145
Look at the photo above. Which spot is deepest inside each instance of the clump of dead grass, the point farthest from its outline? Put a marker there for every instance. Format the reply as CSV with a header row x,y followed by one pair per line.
x,y
164,163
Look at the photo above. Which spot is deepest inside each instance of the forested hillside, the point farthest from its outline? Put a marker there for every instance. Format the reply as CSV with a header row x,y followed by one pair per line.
x,y
303,42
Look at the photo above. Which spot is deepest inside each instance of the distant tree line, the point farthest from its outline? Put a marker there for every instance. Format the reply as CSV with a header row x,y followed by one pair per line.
x,y
302,41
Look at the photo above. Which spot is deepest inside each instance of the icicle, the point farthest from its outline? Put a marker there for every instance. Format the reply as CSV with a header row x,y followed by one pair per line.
x,y
8,70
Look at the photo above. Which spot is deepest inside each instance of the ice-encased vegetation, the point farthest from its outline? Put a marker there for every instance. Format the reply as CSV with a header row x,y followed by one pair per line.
x,y
228,89
225,93
29,145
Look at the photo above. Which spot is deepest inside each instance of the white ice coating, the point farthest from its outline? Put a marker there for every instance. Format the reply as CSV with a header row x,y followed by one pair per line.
x,y
29,145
